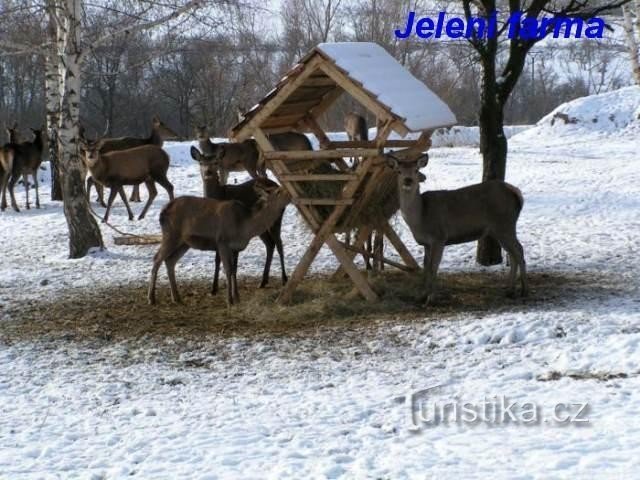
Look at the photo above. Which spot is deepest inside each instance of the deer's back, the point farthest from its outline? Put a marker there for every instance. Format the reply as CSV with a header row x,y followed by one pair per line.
x,y
122,143
290,141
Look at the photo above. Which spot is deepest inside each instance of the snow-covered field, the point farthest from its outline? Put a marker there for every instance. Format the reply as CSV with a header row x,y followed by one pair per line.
x,y
328,403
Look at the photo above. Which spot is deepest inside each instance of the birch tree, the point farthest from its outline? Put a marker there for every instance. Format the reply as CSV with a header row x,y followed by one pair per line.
x,y
631,23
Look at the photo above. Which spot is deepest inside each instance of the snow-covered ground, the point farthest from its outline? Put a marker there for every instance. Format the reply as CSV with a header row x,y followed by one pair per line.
x,y
331,402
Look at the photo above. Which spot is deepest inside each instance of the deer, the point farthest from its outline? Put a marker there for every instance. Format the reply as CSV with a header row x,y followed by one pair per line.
x,y
225,226
446,217
159,133
6,166
27,157
245,156
244,193
148,164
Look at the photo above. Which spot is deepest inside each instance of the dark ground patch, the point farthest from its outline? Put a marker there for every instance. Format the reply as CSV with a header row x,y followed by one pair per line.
x,y
122,313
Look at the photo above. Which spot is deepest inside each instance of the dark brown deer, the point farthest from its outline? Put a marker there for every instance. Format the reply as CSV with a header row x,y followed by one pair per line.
x,y
246,194
27,157
159,133
447,217
148,164
6,166
245,156
225,226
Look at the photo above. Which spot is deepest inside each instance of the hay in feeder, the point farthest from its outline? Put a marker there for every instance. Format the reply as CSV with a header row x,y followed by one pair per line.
x,y
380,206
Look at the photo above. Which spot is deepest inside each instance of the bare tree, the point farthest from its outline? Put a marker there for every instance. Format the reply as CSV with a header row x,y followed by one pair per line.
x,y
631,17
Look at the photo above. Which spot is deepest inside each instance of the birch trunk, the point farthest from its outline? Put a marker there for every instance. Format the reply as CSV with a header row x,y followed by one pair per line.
x,y
84,232
54,90
632,43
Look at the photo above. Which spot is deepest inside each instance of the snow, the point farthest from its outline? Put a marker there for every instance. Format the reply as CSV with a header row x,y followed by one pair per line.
x,y
330,401
394,86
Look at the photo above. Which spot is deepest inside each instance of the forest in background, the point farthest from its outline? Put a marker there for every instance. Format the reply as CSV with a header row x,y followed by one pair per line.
x,y
210,65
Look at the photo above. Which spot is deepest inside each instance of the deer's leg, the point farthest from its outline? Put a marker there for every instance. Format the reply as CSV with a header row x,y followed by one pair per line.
x,y
100,192
269,244
234,275
123,196
224,176
227,264
25,180
158,258
216,275
35,184
378,250
153,193
368,248
88,187
431,270
166,184
113,191
170,262
280,249
12,182
517,262
3,189
135,194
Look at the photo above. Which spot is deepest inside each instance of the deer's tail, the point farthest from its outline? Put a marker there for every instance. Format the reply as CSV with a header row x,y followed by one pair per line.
x,y
518,194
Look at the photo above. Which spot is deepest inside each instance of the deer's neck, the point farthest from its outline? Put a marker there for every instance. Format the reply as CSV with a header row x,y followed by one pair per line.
x,y
213,189
155,138
411,206
260,221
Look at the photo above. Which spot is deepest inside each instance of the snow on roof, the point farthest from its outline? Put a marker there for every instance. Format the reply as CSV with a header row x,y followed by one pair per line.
x,y
395,86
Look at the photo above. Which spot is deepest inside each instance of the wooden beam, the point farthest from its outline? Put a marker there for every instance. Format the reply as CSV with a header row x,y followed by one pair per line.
x,y
320,154
319,81
388,261
138,240
322,201
356,91
318,177
312,124
327,101
248,129
357,277
400,247
372,144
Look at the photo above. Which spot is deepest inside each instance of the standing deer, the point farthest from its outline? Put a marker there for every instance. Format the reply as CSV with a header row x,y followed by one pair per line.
x,y
225,226
27,157
245,156
244,193
148,164
6,166
159,133
447,217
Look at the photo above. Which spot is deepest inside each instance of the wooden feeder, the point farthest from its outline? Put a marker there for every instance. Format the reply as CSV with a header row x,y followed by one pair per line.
x,y
400,102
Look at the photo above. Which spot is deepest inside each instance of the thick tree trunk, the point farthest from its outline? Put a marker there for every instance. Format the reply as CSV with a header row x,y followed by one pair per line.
x,y
84,232
493,145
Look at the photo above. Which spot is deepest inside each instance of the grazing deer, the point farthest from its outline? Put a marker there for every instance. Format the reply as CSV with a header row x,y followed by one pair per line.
x,y
159,133
244,193
448,217
225,226
245,156
148,164
6,166
27,157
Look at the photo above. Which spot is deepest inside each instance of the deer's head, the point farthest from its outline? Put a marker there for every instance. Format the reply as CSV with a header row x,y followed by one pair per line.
x,y
409,175
202,133
209,164
90,152
162,129
267,191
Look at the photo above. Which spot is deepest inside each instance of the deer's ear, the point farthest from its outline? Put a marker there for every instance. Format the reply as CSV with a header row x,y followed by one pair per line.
x,y
421,177
99,144
392,162
423,160
195,154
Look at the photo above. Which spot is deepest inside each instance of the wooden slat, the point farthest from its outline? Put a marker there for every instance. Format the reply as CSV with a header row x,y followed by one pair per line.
x,y
295,107
356,91
320,154
328,100
310,123
318,177
372,144
322,201
248,129
388,261
400,247
356,275
319,81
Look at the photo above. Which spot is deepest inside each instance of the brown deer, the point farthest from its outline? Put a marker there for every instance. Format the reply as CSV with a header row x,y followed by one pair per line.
x,y
245,156
6,166
447,217
225,226
159,133
27,157
244,193
148,164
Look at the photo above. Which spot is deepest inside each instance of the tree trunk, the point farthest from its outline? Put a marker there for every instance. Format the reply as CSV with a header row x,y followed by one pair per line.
x,y
493,146
632,44
54,90
84,232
